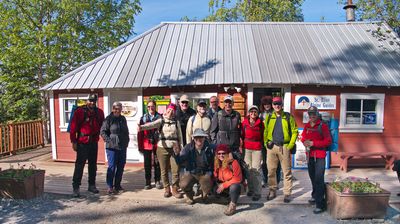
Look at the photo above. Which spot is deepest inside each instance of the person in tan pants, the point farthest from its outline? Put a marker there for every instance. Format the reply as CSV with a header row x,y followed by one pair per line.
x,y
170,138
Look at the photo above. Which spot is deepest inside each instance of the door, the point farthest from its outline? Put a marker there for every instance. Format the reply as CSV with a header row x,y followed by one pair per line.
x,y
132,110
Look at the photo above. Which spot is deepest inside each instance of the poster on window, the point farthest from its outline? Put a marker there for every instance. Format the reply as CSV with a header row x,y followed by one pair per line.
x,y
299,160
369,118
129,108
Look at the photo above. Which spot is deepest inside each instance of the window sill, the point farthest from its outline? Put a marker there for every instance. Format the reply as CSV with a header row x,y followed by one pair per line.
x,y
360,130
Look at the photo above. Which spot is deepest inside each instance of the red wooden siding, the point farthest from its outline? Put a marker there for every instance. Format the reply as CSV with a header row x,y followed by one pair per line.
x,y
63,143
360,142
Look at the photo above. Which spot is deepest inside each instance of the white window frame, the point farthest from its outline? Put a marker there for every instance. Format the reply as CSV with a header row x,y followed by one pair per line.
x,y
192,95
61,98
360,128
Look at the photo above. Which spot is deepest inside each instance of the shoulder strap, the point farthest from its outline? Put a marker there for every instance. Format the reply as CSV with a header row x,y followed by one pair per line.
x,y
269,118
162,124
287,114
193,118
320,129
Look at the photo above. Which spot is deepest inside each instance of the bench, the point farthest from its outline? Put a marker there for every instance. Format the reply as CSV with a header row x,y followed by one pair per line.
x,y
389,158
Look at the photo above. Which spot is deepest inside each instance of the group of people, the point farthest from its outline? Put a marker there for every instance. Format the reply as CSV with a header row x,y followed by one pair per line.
x,y
207,150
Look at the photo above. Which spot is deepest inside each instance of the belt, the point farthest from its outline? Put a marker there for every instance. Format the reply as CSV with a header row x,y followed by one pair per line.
x,y
278,143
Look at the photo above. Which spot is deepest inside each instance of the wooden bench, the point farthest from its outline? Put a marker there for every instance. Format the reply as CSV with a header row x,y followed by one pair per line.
x,y
389,157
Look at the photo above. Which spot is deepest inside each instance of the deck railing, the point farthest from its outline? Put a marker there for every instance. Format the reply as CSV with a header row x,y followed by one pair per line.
x,y
20,135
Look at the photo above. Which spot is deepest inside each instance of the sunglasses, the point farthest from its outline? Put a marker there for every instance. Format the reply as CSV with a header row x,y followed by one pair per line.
x,y
221,153
253,112
277,104
184,102
93,101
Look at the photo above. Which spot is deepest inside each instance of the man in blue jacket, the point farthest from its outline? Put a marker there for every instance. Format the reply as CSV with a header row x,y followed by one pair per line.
x,y
198,159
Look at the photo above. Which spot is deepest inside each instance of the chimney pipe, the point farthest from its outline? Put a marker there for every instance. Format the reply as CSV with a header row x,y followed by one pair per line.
x,y
350,14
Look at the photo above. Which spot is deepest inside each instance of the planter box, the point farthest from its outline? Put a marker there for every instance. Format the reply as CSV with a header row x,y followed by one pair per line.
x,y
29,187
357,205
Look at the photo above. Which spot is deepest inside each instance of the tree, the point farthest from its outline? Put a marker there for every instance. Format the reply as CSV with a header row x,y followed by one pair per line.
x,y
42,39
379,10
255,10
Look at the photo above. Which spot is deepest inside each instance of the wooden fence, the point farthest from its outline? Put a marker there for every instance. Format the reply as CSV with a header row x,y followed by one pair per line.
x,y
20,135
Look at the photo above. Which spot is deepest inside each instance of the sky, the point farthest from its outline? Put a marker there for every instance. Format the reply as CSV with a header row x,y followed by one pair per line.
x,y
156,11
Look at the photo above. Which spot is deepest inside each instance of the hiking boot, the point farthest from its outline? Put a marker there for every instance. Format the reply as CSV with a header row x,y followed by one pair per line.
x,y
93,189
311,201
189,198
263,184
230,210
119,189
250,193
286,199
147,187
256,197
205,199
76,193
110,191
271,195
175,192
318,210
167,192
159,185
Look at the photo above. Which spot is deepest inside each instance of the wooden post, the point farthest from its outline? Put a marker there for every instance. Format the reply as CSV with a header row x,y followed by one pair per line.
x,y
11,136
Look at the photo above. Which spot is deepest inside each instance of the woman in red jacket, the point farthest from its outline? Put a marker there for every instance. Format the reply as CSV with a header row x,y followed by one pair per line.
x,y
252,136
228,174
316,138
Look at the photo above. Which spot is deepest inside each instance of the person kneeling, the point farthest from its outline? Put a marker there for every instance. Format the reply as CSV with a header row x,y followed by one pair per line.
x,y
197,157
228,174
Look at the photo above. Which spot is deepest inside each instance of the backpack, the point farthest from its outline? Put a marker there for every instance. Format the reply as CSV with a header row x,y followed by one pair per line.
x,y
287,114
85,109
333,125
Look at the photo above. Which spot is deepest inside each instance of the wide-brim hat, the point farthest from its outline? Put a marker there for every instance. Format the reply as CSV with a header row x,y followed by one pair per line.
x,y
253,107
184,98
228,98
199,133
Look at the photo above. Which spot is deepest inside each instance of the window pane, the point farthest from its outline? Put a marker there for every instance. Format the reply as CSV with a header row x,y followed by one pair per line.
x,y
353,105
67,115
369,105
353,118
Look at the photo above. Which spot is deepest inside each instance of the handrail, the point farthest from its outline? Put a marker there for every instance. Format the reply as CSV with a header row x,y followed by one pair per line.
x,y
16,136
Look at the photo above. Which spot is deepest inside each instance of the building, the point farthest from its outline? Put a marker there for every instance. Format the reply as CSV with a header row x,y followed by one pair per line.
x,y
343,68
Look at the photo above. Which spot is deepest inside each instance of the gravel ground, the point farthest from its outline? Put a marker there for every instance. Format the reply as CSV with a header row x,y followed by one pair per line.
x,y
51,208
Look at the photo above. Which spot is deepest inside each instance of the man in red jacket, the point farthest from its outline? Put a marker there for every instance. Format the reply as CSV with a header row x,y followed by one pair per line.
x,y
316,138
84,134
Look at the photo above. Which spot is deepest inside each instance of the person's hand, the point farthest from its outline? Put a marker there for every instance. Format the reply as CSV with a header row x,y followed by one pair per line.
x,y
176,148
220,188
308,143
75,146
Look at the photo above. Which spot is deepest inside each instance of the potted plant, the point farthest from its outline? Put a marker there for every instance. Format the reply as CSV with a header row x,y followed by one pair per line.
x,y
354,197
21,183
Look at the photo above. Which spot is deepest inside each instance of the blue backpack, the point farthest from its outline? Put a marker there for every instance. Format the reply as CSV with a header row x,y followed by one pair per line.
x,y
333,125
74,108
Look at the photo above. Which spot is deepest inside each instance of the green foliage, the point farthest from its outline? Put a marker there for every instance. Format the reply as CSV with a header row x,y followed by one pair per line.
x,y
355,185
255,10
20,173
43,39
379,10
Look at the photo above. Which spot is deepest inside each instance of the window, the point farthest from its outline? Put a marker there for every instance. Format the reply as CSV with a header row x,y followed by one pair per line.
x,y
361,112
66,104
194,98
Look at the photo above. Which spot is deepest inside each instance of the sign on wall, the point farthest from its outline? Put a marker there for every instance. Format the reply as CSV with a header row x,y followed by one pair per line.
x,y
323,102
129,108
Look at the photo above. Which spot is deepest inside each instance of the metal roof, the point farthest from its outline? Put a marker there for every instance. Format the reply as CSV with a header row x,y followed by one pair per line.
x,y
200,53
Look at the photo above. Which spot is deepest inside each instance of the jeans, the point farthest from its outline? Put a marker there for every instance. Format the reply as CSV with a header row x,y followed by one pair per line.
x,y
85,152
316,171
151,160
116,163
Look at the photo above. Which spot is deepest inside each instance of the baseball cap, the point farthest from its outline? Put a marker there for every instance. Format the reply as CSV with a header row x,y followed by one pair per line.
x,y
201,102
312,110
92,97
228,97
253,107
198,132
184,98
277,99
172,106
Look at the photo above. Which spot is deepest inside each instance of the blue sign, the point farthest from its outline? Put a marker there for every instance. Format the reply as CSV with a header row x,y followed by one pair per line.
x,y
369,118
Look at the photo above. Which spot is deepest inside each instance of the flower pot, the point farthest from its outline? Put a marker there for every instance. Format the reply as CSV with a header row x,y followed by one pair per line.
x,y
356,205
22,188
